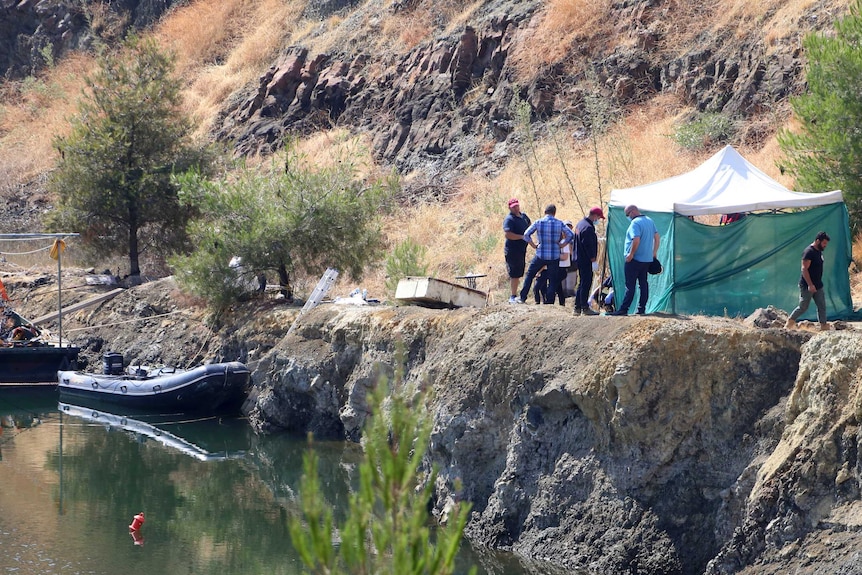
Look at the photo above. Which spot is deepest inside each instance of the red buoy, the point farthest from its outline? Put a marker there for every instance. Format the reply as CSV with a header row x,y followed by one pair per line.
x,y
137,521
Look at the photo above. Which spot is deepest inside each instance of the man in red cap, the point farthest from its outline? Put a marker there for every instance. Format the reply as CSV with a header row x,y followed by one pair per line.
x,y
515,249
586,254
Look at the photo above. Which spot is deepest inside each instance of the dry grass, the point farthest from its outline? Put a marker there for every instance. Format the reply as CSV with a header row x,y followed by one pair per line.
x,y
404,30
221,46
339,145
549,38
34,112
377,29
779,18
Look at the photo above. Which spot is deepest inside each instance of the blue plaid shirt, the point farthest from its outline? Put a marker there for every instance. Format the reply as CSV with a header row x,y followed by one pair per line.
x,y
550,229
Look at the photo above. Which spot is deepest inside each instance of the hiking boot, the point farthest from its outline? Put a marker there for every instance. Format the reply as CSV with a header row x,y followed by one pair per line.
x,y
579,310
791,324
589,311
620,312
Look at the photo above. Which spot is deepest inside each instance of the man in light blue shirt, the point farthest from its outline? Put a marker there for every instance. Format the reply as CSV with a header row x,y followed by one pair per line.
x,y
641,246
553,234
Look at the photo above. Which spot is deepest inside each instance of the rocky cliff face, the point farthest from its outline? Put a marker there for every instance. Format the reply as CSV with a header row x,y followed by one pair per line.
x,y
585,444
607,445
447,105
33,33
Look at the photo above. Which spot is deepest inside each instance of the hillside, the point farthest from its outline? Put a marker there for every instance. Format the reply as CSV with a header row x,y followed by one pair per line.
x,y
471,103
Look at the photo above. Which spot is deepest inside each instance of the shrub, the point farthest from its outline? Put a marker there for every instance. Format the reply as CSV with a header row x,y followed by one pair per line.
x,y
407,259
705,131
297,216
387,528
825,153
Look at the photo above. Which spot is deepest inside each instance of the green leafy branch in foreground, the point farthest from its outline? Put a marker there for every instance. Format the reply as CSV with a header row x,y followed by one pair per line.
x,y
388,529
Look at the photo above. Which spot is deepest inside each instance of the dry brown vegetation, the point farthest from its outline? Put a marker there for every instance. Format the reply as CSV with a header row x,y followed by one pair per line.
x,y
222,46
569,27
32,113
549,39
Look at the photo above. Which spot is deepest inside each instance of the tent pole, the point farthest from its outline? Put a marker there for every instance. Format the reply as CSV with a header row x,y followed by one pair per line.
x,y
604,262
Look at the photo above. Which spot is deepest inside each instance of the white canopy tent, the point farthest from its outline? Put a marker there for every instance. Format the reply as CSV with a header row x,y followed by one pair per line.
x,y
736,268
724,184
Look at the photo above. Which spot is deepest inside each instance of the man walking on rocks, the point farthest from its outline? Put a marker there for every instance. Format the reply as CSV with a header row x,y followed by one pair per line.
x,y
811,282
641,246
549,229
515,250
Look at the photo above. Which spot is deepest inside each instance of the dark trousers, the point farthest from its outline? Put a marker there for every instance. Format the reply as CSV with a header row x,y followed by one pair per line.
x,y
558,284
636,272
585,284
535,265
540,291
805,298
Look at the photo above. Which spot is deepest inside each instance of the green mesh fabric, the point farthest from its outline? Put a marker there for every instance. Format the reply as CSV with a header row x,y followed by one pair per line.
x,y
732,270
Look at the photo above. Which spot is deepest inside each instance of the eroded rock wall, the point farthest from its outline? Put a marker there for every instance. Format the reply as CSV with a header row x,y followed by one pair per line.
x,y
36,33
448,104
804,513
609,445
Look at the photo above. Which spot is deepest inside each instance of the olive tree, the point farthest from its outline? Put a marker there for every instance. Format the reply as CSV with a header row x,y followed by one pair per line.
x,y
283,218
127,138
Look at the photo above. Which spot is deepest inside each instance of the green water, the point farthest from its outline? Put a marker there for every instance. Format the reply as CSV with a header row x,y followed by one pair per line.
x,y
215,496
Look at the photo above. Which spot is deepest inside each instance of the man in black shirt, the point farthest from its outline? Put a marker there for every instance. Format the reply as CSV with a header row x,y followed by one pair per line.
x,y
586,254
515,249
811,282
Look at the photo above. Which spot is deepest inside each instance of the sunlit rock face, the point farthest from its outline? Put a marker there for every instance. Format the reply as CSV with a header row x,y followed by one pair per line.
x,y
610,445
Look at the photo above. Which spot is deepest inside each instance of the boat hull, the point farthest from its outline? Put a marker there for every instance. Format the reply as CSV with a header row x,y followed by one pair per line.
x,y
35,364
213,388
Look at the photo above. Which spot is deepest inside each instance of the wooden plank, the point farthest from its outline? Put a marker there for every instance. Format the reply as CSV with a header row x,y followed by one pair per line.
x,y
80,305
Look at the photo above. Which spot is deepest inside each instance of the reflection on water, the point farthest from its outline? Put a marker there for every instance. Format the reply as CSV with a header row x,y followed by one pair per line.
x,y
215,496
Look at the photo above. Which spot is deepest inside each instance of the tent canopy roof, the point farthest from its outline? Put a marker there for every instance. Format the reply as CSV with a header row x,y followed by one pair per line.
x,y
724,184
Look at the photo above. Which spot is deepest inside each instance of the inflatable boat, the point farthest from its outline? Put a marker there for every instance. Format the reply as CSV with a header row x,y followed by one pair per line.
x,y
212,388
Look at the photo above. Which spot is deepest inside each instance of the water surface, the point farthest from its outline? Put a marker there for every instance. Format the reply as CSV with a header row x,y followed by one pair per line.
x,y
215,496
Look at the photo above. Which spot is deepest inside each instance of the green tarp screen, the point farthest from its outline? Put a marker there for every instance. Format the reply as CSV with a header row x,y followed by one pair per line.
x,y
734,269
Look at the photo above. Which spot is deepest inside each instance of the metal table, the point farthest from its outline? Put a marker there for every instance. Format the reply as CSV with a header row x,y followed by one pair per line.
x,y
471,279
